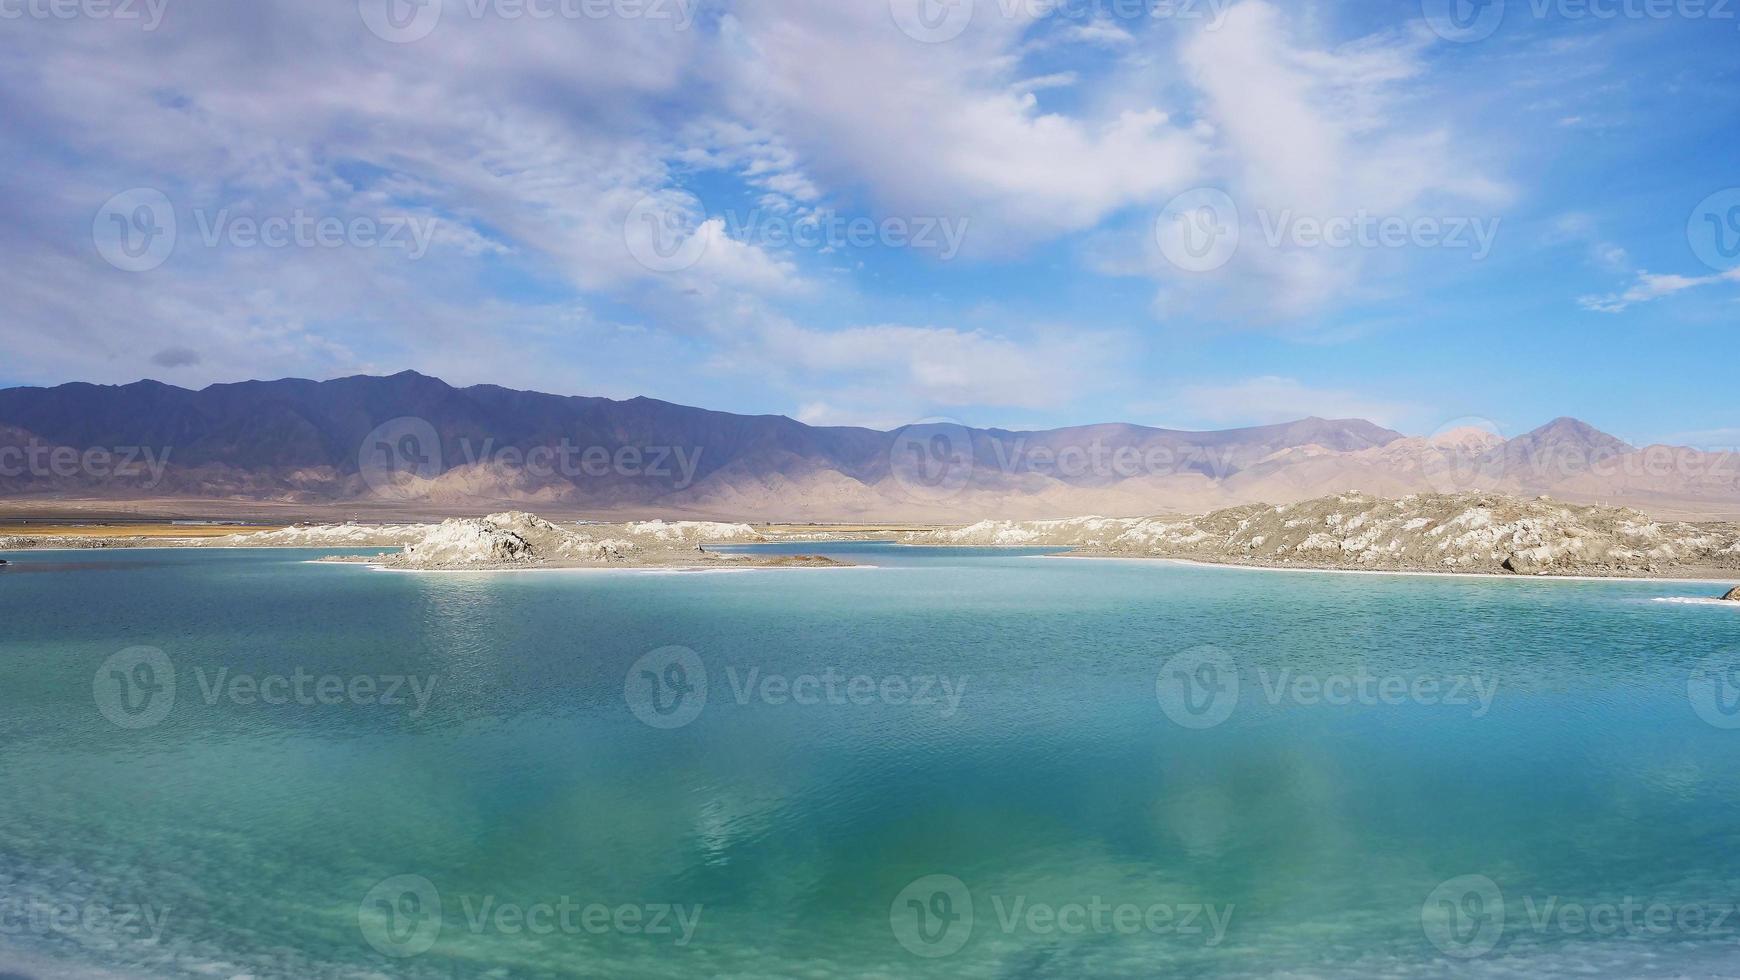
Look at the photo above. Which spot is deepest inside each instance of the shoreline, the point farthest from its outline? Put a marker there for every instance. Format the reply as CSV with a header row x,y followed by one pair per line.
x,y
1414,572
1688,578
601,569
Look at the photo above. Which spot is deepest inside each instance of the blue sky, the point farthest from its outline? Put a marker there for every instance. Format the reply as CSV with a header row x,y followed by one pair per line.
x,y
1009,212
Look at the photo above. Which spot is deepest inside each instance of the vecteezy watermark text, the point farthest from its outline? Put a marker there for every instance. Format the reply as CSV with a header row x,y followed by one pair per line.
x,y
40,461
403,916
677,464
148,14
836,688
1466,21
138,230
669,688
137,687
1201,229
934,916
937,459
302,229
404,21
21,916
1468,916
667,234
399,454
1202,687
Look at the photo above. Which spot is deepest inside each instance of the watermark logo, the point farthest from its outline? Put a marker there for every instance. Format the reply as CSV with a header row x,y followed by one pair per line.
x,y
400,21
836,688
1469,916
138,231
932,21
134,231
1463,21
1201,230
147,13
1198,688
932,461
405,21
1714,690
663,234
1363,229
1198,231
1464,917
301,228
670,233
103,922
666,688
135,688
1714,230
398,456
401,916
933,916
1201,687
41,461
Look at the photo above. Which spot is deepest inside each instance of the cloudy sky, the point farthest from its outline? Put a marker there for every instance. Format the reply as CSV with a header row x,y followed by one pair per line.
x,y
1192,213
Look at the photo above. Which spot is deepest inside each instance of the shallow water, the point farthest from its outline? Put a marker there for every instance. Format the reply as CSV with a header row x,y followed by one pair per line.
x,y
1412,776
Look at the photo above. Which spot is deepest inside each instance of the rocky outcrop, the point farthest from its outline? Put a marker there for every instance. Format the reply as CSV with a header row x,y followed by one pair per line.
x,y
320,536
1733,595
690,532
1521,564
519,540
505,540
1471,532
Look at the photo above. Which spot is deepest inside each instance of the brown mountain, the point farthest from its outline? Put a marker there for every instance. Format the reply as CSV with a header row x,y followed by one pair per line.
x,y
414,444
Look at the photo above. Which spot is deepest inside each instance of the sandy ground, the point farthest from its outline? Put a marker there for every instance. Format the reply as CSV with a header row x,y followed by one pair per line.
x,y
156,530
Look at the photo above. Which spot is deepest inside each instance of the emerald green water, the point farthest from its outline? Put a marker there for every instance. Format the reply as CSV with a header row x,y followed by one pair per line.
x,y
1056,788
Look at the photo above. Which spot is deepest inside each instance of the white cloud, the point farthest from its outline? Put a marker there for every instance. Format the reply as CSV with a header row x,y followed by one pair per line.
x,y
1301,131
1652,286
531,142
1102,30
897,373
943,130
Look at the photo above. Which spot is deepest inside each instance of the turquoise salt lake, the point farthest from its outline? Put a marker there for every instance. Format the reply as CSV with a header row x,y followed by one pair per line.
x,y
953,763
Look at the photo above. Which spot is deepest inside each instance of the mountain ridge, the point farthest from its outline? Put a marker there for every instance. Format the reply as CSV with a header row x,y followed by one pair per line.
x,y
414,442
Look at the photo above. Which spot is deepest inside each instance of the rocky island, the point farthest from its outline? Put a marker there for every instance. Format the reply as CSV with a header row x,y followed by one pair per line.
x,y
517,540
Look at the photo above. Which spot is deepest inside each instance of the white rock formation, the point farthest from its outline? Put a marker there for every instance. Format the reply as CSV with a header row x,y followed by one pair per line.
x,y
1448,532
507,539
692,532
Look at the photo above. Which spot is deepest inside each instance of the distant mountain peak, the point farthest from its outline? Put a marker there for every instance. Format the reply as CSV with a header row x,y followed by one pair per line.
x,y
1572,433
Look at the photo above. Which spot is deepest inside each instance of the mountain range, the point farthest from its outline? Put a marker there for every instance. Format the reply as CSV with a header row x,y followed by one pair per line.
x,y
414,444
